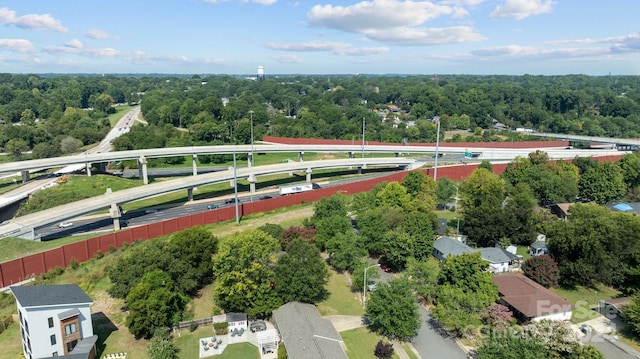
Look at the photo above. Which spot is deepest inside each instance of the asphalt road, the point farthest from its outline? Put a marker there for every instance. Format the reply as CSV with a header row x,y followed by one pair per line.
x,y
433,342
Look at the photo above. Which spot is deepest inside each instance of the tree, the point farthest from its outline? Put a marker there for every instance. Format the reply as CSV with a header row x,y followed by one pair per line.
x,y
161,346
15,147
393,195
141,258
243,267
445,190
631,314
70,144
372,228
383,350
334,205
398,321
542,269
329,227
630,165
295,232
557,336
601,182
482,194
419,226
466,290
512,347
301,274
519,215
423,275
192,251
397,248
417,182
153,303
345,250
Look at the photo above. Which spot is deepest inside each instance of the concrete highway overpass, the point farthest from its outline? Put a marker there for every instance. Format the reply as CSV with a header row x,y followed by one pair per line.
x,y
26,226
483,150
621,143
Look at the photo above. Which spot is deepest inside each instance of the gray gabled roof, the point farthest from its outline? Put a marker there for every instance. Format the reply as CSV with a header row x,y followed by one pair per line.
x,y
50,295
539,244
496,255
82,350
305,334
236,317
449,246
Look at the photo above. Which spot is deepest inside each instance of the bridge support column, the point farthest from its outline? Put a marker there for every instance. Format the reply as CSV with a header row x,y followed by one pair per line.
x,y
25,176
359,170
301,156
142,169
252,185
397,154
190,194
308,175
194,164
249,159
350,154
232,183
88,165
115,213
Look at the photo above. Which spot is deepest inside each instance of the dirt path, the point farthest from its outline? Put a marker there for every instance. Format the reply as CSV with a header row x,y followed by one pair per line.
x,y
296,214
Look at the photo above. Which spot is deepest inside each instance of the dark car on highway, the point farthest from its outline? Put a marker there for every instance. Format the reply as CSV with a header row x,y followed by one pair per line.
x,y
212,206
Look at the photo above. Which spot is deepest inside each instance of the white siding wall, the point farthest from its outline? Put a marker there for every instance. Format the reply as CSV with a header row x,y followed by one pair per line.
x,y
555,316
40,333
500,267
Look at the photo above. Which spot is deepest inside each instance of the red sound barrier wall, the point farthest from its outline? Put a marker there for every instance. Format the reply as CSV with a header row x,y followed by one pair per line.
x,y
17,270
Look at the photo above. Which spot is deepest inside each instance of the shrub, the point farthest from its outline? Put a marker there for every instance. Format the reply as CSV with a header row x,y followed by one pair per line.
x,y
193,326
220,328
542,269
73,263
383,350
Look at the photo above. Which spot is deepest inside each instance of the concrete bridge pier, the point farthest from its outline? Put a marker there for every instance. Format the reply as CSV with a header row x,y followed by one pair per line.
x,y
25,176
115,213
252,185
363,167
194,164
190,194
249,159
88,166
300,156
308,175
232,183
350,154
142,169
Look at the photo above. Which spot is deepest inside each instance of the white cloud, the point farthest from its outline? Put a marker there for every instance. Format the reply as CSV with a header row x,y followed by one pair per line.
x,y
376,14
75,43
288,59
338,48
17,45
520,9
407,36
99,34
31,21
264,2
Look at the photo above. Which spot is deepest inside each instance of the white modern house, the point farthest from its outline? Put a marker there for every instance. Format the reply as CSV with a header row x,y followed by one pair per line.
x,y
55,321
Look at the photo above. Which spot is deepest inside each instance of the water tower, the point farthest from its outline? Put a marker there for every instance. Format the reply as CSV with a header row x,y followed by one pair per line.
x,y
260,76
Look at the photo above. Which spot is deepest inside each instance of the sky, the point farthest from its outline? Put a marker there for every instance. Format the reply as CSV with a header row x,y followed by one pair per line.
x,y
482,37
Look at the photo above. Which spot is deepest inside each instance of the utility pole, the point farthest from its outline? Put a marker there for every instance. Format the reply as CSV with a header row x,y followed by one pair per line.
x,y
252,150
435,163
363,124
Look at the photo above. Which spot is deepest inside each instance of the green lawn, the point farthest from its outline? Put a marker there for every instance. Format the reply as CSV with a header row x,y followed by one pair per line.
x,y
361,343
189,345
341,300
409,352
120,111
584,299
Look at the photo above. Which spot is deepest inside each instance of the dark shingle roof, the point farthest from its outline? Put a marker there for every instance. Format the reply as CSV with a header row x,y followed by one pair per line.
x,y
236,317
449,246
49,295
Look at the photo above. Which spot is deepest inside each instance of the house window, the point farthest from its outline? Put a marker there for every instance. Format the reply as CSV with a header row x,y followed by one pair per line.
x,y
50,319
71,345
70,328
53,339
26,327
54,354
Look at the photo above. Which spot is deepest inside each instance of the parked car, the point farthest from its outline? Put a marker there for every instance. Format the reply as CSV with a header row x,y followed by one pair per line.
x,y
212,206
265,197
385,267
231,200
65,224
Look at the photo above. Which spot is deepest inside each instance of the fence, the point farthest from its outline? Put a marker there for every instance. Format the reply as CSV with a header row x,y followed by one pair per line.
x,y
202,321
17,270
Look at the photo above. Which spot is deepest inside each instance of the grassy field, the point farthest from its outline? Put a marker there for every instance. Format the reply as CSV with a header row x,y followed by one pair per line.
x,y
361,343
584,298
341,299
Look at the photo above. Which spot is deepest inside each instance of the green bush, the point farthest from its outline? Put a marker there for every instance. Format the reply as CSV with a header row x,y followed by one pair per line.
x,y
193,326
220,328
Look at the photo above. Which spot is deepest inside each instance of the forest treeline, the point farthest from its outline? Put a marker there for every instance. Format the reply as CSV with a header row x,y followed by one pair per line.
x,y
57,114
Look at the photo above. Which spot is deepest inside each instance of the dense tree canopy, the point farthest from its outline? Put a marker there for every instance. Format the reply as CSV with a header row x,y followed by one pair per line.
x,y
398,321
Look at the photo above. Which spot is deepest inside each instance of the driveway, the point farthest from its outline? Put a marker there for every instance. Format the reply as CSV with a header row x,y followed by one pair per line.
x,y
432,342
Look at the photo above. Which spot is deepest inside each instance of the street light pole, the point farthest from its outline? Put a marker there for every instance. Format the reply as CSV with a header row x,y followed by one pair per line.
x,y
363,124
364,288
252,151
457,217
235,186
435,163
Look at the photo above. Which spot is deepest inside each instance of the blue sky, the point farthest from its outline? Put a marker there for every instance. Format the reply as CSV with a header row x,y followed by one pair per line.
x,y
539,37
